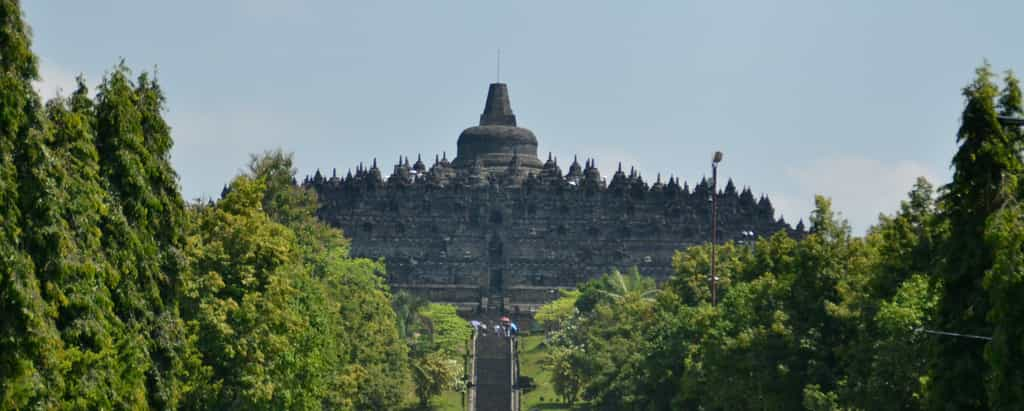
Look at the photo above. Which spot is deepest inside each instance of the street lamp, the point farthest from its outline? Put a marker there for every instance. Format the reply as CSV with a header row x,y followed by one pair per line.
x,y
715,159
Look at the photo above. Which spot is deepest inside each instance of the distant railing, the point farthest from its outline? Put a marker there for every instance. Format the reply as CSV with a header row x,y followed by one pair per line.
x,y
470,403
514,357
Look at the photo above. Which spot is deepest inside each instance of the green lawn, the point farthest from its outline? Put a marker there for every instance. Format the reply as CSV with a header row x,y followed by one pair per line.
x,y
531,353
447,401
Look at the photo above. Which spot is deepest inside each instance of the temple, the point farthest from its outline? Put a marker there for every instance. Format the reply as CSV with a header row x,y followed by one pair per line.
x,y
497,228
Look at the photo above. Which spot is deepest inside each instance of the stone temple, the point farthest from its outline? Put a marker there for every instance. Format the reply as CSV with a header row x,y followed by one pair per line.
x,y
496,227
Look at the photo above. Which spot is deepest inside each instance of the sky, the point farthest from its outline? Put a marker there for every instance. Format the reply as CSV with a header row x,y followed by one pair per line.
x,y
852,100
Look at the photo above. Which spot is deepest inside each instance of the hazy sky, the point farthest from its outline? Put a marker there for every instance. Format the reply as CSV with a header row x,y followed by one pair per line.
x,y
851,99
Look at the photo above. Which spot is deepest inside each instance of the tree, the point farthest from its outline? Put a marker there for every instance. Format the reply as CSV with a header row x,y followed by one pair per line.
x,y
371,353
436,350
985,159
434,373
144,231
555,314
264,323
885,305
1004,282
64,203
33,361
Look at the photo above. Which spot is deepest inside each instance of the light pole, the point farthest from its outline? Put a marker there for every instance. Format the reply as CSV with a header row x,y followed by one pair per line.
x,y
715,159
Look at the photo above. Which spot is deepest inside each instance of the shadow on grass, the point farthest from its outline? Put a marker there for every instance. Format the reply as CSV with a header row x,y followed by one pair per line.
x,y
556,406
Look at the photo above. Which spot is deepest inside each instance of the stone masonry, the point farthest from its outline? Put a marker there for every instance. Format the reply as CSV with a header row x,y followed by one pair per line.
x,y
498,227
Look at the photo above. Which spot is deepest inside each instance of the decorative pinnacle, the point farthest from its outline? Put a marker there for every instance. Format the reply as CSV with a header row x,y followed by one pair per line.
x,y
498,109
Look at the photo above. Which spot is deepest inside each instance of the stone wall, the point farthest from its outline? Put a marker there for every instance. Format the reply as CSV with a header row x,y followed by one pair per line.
x,y
464,243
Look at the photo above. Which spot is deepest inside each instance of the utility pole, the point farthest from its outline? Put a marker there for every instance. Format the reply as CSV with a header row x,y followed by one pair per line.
x,y
715,159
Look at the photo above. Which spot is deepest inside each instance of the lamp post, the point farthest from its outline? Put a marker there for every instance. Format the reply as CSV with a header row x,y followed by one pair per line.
x,y
715,159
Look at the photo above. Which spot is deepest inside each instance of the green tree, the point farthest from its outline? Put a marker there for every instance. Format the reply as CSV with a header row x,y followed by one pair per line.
x,y
1005,280
33,360
261,317
434,372
886,304
985,159
371,353
555,314
407,308
64,203
145,232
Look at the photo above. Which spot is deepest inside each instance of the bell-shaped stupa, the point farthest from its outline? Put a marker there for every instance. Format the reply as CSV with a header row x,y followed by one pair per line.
x,y
497,139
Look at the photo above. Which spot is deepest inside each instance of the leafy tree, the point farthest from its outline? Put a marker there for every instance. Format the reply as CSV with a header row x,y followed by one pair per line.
x,y
407,308
885,303
984,160
371,354
65,202
260,315
145,232
555,314
692,277
33,360
443,329
614,286
434,372
436,350
1005,285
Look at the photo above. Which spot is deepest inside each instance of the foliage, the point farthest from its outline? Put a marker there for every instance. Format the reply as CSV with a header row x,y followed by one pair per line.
x,y
1004,281
556,313
433,373
116,295
437,349
823,322
985,161
32,363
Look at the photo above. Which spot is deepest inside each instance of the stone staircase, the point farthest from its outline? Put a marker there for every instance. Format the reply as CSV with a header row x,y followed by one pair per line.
x,y
494,370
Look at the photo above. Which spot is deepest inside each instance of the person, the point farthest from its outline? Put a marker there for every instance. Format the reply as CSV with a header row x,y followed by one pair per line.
x,y
513,329
497,329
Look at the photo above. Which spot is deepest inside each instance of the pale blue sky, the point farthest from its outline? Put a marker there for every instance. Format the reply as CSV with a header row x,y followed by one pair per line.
x,y
849,99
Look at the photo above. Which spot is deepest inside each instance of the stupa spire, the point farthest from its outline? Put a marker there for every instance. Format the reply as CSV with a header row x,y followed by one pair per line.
x,y
498,109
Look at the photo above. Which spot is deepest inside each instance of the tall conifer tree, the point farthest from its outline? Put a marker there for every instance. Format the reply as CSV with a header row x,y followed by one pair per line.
x,y
1005,281
145,228
32,357
985,158
63,203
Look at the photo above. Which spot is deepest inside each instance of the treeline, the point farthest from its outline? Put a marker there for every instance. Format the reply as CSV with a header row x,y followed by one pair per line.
x,y
117,294
924,312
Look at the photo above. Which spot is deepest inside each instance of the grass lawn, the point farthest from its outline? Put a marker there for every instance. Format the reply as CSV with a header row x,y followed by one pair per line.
x,y
447,401
531,353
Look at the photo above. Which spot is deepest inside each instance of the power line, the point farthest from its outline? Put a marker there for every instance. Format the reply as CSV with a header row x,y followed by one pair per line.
x,y
950,334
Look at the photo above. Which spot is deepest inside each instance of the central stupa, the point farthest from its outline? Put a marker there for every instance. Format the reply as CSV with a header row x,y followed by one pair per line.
x,y
497,141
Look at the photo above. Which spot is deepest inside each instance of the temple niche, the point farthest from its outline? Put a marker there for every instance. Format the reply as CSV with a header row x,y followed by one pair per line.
x,y
496,227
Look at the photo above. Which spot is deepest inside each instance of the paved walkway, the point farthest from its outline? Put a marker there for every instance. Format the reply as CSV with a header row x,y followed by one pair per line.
x,y
493,373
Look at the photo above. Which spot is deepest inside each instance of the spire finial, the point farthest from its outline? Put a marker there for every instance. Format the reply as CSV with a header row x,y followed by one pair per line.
x,y
499,67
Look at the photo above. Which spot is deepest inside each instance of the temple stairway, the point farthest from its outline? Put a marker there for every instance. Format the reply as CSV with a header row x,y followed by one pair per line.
x,y
493,373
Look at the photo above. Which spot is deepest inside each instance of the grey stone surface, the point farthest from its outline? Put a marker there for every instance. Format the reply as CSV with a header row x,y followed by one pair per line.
x,y
468,230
